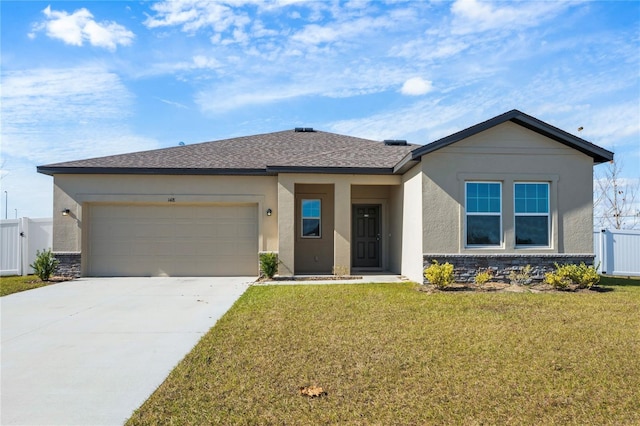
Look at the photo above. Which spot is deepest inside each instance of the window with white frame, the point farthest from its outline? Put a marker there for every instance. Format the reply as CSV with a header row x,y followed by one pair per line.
x,y
483,214
311,218
531,207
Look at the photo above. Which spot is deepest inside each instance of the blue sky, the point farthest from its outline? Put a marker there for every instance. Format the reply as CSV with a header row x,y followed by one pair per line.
x,y
87,79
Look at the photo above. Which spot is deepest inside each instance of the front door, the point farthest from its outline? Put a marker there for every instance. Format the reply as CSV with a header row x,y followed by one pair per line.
x,y
366,236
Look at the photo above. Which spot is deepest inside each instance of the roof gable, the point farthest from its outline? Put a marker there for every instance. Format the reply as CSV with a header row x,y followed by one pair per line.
x,y
599,155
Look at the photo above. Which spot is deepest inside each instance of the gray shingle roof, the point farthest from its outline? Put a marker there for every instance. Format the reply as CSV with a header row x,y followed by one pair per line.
x,y
250,154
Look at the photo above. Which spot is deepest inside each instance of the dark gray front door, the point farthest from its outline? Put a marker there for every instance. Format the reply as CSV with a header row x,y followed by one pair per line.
x,y
366,236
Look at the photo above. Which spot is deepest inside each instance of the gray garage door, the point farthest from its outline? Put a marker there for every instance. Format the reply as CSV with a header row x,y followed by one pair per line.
x,y
172,240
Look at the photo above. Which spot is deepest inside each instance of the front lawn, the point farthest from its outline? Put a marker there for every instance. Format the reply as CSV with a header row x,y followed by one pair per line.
x,y
388,354
15,284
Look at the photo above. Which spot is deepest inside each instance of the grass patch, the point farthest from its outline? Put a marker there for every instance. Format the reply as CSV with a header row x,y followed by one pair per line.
x,y
608,280
15,284
388,354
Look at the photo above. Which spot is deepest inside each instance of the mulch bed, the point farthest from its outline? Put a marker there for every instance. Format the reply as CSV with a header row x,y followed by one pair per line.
x,y
508,288
321,278
57,279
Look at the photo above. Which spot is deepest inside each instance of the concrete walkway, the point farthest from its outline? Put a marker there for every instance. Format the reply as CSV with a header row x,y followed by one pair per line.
x,y
91,351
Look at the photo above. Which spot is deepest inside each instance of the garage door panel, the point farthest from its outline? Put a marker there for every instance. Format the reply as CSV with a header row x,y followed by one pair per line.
x,y
134,240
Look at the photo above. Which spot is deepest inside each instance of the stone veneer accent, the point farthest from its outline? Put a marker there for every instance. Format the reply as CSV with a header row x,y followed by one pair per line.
x,y
466,266
69,265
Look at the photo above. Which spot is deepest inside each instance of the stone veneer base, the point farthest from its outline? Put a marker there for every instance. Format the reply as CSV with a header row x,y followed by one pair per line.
x,y
70,264
466,266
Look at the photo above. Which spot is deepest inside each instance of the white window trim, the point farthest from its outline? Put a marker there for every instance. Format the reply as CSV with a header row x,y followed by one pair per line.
x,y
548,215
303,217
467,214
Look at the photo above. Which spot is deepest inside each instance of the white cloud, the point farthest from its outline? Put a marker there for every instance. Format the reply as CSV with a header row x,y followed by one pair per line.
x,y
53,115
416,86
193,15
473,16
173,103
79,27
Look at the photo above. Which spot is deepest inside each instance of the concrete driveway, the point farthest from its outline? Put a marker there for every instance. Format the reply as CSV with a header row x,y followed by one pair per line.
x,y
91,351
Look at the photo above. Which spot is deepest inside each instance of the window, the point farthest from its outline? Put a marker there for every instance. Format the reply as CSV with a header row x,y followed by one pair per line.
x,y
532,214
311,218
484,213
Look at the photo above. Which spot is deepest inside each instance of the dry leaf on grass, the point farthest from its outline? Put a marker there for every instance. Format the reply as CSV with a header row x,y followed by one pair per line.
x,y
312,391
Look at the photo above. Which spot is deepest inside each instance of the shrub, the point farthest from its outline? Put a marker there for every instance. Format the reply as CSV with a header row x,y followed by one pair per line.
x,y
439,275
581,275
483,277
45,264
557,280
268,264
521,277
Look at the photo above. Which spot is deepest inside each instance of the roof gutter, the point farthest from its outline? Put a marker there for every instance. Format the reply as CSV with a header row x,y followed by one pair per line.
x,y
53,170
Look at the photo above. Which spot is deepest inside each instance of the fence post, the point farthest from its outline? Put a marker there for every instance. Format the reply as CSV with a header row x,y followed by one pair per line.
x,y
603,251
23,239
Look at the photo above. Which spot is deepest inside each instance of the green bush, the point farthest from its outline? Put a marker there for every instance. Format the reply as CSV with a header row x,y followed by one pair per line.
x,y
557,280
45,264
483,277
268,264
439,275
581,275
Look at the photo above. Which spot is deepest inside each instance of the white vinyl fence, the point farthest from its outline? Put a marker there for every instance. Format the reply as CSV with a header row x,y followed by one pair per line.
x,y
19,241
617,251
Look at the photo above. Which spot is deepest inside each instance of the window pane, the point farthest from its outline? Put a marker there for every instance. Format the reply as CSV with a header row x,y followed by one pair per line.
x,y
310,227
532,198
310,208
494,190
483,197
532,230
483,230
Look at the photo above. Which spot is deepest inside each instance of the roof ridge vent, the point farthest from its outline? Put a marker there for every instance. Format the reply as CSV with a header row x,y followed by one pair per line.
x,y
395,142
304,129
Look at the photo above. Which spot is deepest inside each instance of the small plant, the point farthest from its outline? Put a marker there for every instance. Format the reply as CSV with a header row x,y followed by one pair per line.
x,y
483,277
268,264
557,280
439,275
581,275
521,277
340,271
45,264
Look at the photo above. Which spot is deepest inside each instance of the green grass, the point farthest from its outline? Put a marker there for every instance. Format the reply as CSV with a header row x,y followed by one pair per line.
x,y
15,284
387,354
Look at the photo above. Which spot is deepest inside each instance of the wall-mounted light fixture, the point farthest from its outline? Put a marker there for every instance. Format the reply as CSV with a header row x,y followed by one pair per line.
x,y
66,212
269,212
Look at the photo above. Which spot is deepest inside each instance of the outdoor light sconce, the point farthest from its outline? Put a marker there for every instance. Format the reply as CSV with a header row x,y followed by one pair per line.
x,y
269,212
66,212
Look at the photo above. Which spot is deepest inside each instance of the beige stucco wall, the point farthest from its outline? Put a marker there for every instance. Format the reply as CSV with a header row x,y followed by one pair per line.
x,y
507,153
78,192
412,217
395,228
315,255
343,185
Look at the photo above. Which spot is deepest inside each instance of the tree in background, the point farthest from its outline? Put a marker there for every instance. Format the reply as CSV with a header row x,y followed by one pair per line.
x,y
615,203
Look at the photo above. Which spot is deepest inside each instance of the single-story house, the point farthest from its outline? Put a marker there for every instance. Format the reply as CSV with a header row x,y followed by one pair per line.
x,y
509,191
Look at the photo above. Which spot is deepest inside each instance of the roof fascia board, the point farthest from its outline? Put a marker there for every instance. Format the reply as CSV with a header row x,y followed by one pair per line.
x,y
598,154
331,170
145,171
406,163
